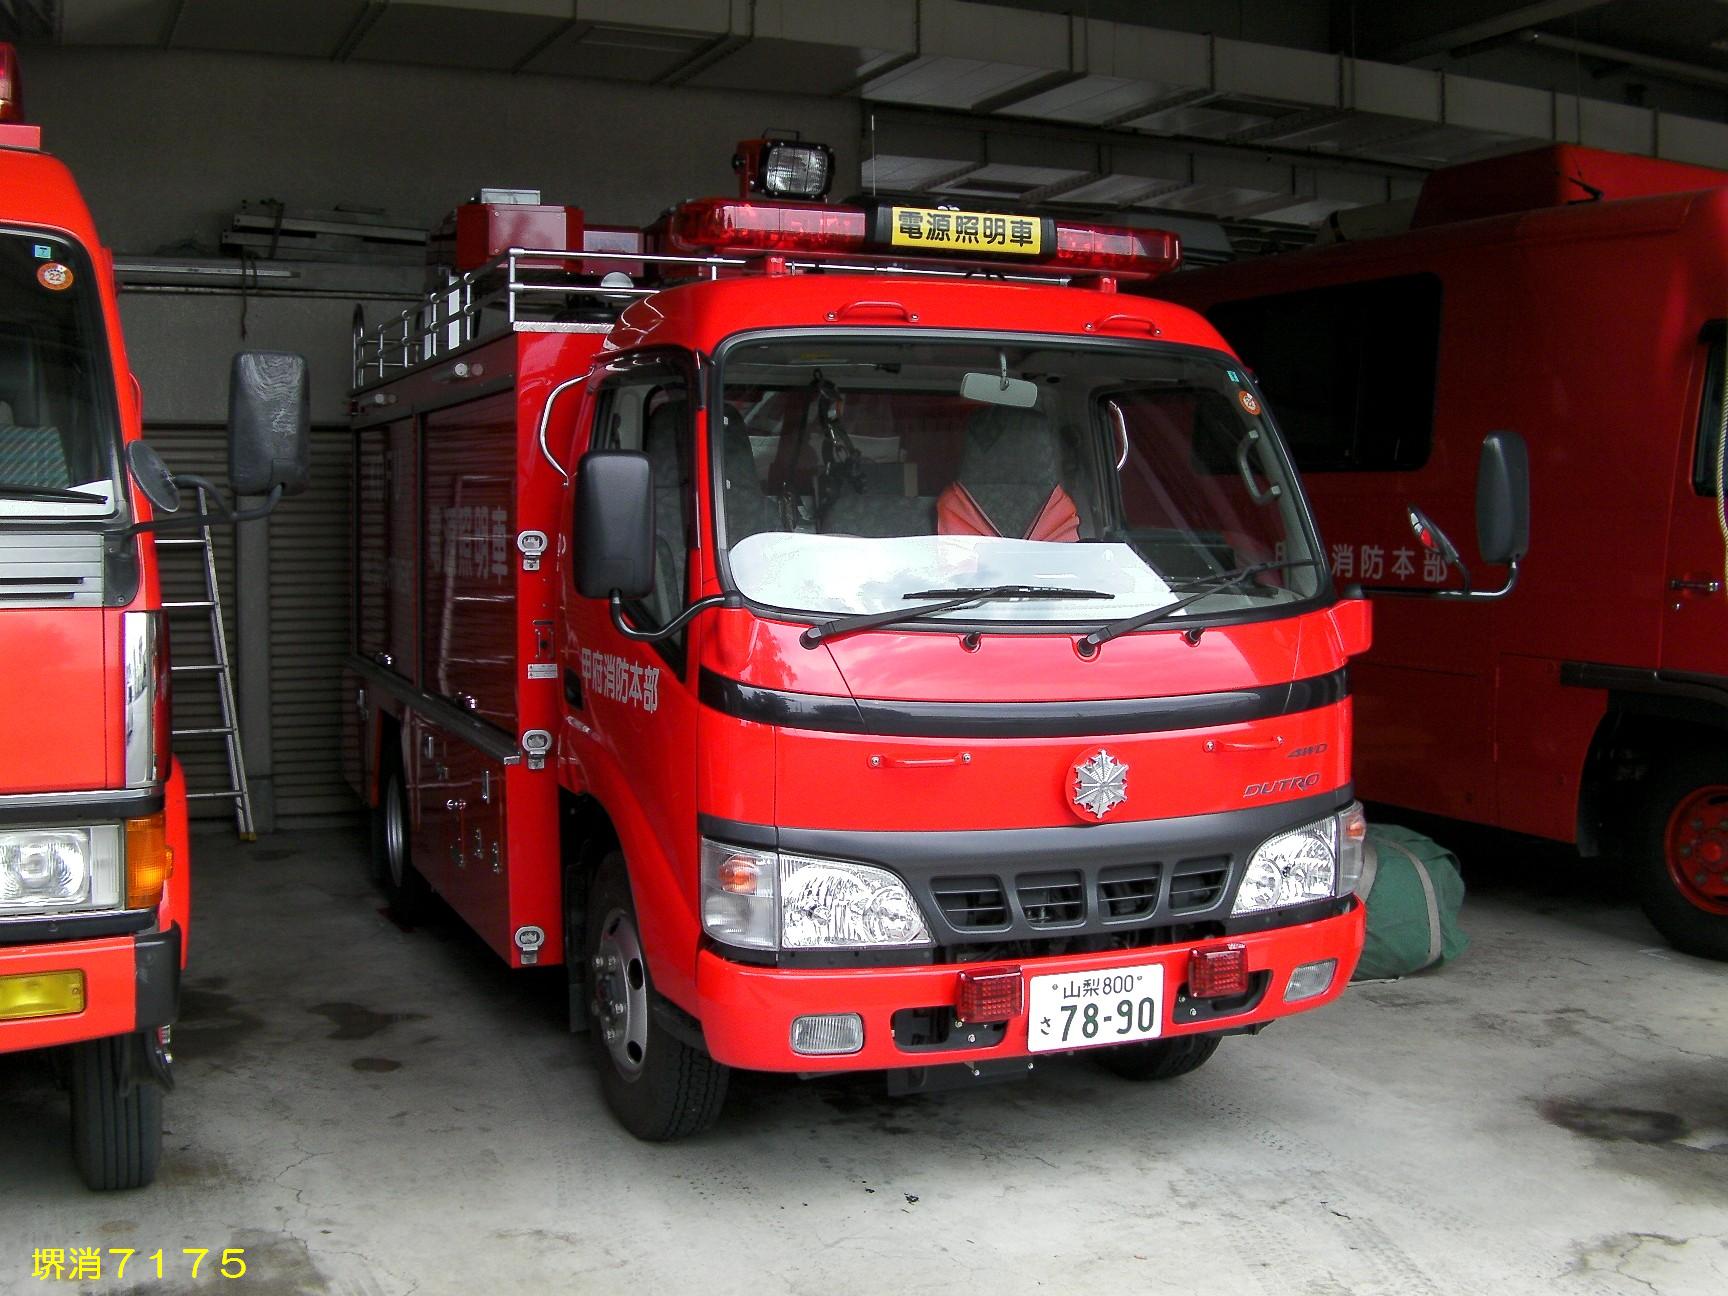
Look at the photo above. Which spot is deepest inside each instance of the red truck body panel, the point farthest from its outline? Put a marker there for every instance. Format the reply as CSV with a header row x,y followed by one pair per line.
x,y
1585,325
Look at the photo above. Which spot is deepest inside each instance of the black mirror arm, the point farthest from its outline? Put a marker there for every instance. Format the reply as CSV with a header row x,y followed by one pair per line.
x,y
1466,594
221,514
673,626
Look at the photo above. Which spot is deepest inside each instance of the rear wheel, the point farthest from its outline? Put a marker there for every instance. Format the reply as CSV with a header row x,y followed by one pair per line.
x,y
658,1086
116,1119
393,859
1163,1059
1681,853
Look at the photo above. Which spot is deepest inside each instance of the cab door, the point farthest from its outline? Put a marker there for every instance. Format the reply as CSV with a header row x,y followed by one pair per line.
x,y
631,709
1695,607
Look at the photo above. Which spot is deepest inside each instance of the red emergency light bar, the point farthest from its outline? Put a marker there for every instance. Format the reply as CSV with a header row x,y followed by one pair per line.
x,y
722,226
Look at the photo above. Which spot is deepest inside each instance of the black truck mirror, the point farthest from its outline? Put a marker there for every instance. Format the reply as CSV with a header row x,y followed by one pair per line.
x,y
269,423
153,477
1503,499
1502,521
614,524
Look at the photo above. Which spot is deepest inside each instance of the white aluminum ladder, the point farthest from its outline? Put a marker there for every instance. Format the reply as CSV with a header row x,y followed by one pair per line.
x,y
221,670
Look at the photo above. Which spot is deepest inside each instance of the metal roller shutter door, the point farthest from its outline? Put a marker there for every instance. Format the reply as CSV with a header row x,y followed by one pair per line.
x,y
309,607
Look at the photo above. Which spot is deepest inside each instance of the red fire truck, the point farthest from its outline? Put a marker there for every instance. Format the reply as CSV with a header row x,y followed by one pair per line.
x,y
1579,297
847,638
93,847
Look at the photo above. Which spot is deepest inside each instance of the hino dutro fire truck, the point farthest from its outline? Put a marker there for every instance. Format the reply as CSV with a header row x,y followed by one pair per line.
x,y
94,867
847,637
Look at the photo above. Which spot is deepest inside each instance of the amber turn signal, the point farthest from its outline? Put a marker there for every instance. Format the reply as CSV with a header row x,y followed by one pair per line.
x,y
149,861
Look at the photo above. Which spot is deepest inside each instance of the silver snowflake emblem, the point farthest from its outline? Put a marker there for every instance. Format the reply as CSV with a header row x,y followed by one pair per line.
x,y
1100,784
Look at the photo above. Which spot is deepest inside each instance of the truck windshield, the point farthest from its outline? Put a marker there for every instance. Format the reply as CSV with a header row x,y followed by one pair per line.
x,y
861,476
57,419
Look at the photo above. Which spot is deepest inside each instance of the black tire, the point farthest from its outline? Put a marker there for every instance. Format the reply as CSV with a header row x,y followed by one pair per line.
x,y
392,841
1677,882
1163,1059
659,1087
116,1122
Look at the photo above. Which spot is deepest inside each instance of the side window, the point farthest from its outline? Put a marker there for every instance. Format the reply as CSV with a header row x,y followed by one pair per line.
x,y
647,408
1708,456
1349,370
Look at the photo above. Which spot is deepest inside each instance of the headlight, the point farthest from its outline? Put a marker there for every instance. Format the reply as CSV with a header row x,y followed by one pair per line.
x,y
59,870
765,900
1314,862
829,904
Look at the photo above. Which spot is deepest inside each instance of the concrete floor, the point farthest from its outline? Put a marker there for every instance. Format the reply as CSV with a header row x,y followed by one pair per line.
x,y
365,1109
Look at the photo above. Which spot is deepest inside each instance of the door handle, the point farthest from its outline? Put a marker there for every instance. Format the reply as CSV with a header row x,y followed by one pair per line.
x,y
1696,584
1269,744
921,762
455,803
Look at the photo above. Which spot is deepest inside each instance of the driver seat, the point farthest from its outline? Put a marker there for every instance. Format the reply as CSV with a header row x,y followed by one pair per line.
x,y
1010,481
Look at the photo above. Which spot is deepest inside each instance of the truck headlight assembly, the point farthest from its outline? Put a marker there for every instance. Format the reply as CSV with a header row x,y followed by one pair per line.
x,y
767,900
1314,862
59,870
832,904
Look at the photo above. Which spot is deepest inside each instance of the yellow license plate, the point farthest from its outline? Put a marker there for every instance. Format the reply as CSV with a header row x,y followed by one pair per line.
x,y
41,994
957,231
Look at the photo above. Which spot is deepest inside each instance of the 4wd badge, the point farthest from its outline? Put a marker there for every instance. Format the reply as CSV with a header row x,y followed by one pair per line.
x,y
1099,784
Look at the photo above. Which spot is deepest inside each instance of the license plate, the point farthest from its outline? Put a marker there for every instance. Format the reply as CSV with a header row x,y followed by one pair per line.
x,y
1090,1009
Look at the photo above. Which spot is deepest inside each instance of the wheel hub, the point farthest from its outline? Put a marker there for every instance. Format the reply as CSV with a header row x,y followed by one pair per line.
x,y
621,992
1696,846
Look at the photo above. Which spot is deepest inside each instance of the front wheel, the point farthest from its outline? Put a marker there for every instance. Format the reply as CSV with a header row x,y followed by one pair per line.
x,y
1163,1059
116,1117
392,854
659,1087
1681,852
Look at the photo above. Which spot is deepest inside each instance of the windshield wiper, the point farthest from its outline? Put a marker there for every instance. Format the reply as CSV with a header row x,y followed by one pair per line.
x,y
54,494
950,600
1205,587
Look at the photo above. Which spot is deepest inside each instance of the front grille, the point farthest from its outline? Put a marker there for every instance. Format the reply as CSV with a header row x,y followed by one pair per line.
x,y
1198,884
1129,891
1052,899
971,903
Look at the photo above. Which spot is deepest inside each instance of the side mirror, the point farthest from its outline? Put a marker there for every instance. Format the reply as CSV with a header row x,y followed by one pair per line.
x,y
269,423
614,524
1503,499
153,477
1502,520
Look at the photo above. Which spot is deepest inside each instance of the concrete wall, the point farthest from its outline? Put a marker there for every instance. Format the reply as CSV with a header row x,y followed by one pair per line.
x,y
167,144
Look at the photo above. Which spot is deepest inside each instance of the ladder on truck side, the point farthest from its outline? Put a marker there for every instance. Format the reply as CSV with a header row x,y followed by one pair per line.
x,y
220,669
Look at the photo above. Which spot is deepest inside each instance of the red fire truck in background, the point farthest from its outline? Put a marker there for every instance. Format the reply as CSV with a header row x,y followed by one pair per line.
x,y
93,847
848,638
1580,297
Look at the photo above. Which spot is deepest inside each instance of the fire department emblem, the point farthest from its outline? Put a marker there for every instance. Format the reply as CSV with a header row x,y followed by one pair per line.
x,y
1100,784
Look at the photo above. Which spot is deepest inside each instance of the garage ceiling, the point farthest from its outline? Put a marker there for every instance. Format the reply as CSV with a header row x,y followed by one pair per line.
x,y
1022,101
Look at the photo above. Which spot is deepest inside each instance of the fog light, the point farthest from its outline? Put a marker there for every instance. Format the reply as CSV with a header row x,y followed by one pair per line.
x,y
41,994
827,1034
1309,980
1218,973
990,995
